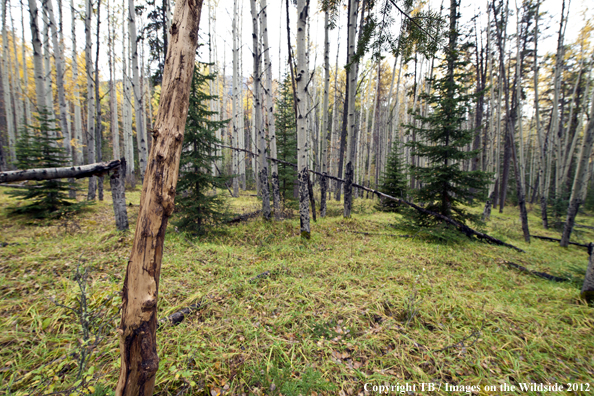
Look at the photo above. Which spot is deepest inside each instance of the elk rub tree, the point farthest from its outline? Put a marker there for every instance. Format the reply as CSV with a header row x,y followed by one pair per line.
x,y
137,331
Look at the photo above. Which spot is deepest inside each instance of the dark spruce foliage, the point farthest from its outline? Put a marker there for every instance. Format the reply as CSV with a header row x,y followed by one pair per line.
x,y
441,138
40,146
197,204
286,139
394,181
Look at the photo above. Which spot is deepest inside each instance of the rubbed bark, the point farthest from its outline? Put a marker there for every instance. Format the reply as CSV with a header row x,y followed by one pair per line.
x,y
352,72
588,286
487,211
312,200
76,172
581,179
304,203
323,193
118,195
276,193
139,360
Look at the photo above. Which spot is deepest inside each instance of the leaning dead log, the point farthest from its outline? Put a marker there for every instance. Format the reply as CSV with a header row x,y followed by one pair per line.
x,y
544,238
75,172
543,275
462,227
244,217
137,330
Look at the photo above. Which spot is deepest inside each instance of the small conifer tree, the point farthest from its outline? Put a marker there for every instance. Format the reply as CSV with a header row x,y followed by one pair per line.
x,y
286,137
40,146
197,205
441,139
394,181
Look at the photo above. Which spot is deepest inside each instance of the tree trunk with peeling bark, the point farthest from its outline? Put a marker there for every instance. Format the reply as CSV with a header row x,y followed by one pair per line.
x,y
139,360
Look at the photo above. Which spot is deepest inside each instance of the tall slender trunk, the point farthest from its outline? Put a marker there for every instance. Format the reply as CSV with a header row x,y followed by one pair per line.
x,y
270,109
18,83
141,136
59,59
127,108
580,180
98,125
113,105
77,153
352,77
6,89
90,99
263,171
324,134
302,77
235,103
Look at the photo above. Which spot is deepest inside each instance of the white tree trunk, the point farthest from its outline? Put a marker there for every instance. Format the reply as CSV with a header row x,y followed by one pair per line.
x,y
113,104
235,103
59,60
302,77
270,108
6,89
260,132
77,153
141,136
90,99
352,77
37,57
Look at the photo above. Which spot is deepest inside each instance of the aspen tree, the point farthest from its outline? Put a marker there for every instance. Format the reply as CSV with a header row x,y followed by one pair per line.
x,y
18,83
59,59
113,105
141,136
137,331
127,105
580,180
301,78
324,128
90,99
235,102
260,133
77,154
270,109
6,89
352,77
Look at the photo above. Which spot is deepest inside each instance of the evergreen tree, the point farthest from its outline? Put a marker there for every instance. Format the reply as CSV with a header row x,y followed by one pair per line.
x,y
286,137
441,139
197,204
393,181
40,147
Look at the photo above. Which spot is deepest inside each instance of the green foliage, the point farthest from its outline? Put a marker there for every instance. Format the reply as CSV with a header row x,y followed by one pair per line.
x,y
281,381
197,203
441,139
393,181
286,138
41,147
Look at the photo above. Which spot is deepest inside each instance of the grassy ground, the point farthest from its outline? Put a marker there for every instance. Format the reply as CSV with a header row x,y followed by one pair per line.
x,y
336,312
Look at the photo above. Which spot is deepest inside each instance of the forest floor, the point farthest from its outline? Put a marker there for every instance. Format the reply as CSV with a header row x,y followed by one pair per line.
x,y
335,315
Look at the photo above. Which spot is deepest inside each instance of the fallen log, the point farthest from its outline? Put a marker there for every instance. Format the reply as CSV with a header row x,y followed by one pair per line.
x,y
22,185
244,217
462,227
583,226
75,172
379,234
544,238
543,275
